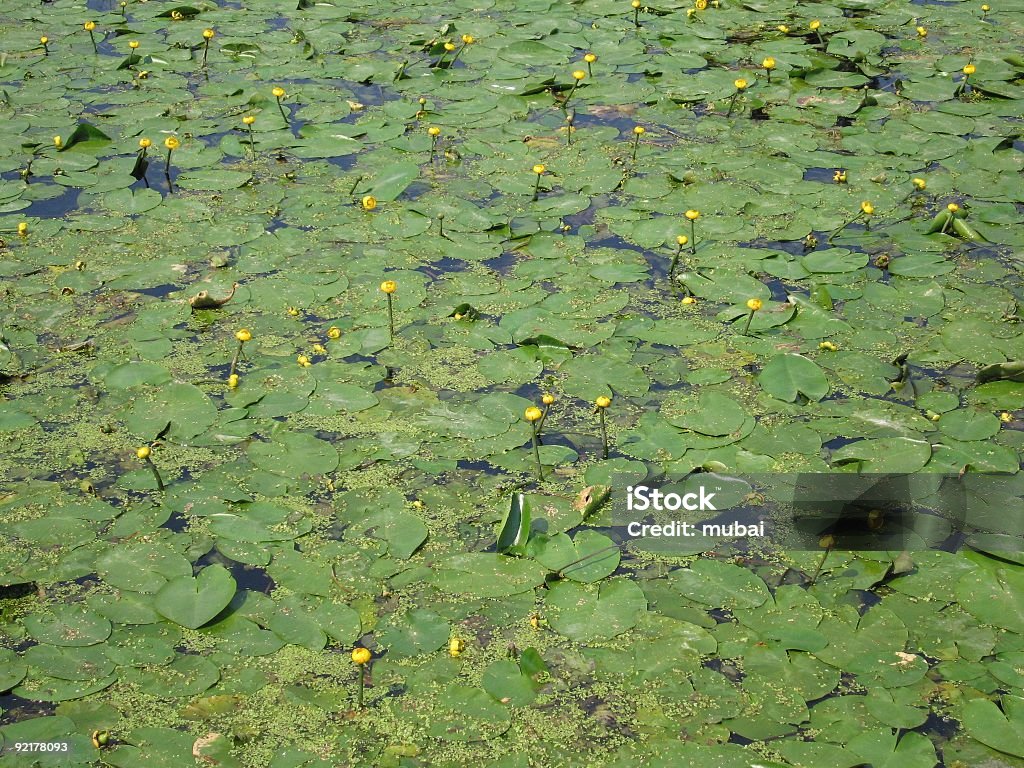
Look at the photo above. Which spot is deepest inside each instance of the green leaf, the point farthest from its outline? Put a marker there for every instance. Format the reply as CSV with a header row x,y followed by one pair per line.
x,y
514,531
1001,729
789,376
192,602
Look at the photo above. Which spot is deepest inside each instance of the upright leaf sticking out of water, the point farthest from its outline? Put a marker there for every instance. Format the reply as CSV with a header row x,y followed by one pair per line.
x,y
515,528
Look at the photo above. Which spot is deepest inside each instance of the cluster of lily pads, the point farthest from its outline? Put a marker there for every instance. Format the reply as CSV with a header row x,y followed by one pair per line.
x,y
314,426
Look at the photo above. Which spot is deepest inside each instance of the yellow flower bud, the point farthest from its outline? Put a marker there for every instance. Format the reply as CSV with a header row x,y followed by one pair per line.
x,y
740,83
434,131
754,304
814,25
361,656
208,34
294,312
389,286
682,239
970,69
867,208
133,44
303,361
700,5
44,40
89,26
143,452
768,63
319,349
783,29
369,202
603,402
952,207
468,39
635,4
922,32
688,300
589,58
249,119
1005,417
918,183
455,647
828,541
172,143
692,214
579,74
547,399
243,335
22,228
539,169
334,332
639,130
449,46
145,143
58,142
278,92
233,381
532,414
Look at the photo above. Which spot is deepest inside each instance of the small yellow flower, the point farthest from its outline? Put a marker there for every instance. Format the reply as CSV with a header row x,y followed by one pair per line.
x,y
635,4
361,656
692,214
89,26
688,300
828,345
547,399
867,208
579,74
455,647
143,74
233,381
44,40
100,739
952,207
639,130
293,311
589,58
22,228
922,32
172,143
319,349
334,332
603,402
208,34
768,63
814,25
58,142
682,239
740,83
783,29
369,202
278,92
691,12
919,184
468,39
839,177
986,8
754,304
934,416
389,286
533,413
970,69
249,119
243,335
449,46
145,143
177,15
143,453
828,541
700,5
1005,417
434,131
539,169
303,361
133,44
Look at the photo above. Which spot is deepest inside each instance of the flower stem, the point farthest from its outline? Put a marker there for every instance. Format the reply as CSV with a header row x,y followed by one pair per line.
x,y
235,359
206,51
362,686
391,318
636,145
284,114
536,189
536,451
156,473
604,434
851,221
95,47
252,144
732,103
746,327
693,237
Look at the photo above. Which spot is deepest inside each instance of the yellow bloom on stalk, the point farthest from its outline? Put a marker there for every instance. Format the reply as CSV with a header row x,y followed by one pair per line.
x,y
783,29
919,184
89,26
839,177
986,8
539,169
369,202
700,5
233,381
133,44
754,304
248,119
468,39
303,361
589,58
58,142
44,40
867,208
243,335
547,399
449,46
389,286
143,453
145,143
278,92
361,656
533,413
740,83
22,228
682,239
639,130
768,63
970,69
922,32
603,402
455,647
828,345
952,207
172,143
635,4
692,214
688,300
1005,417
334,332
579,74
208,34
